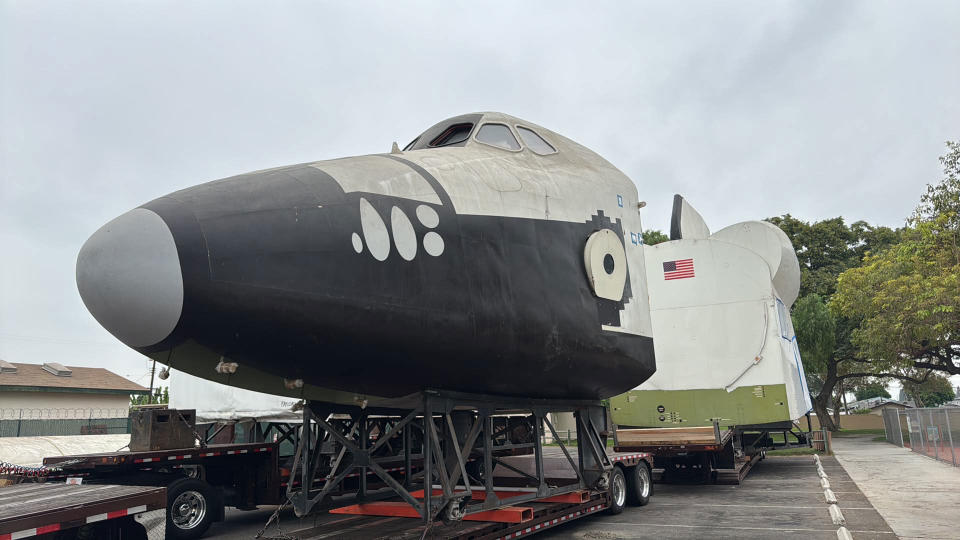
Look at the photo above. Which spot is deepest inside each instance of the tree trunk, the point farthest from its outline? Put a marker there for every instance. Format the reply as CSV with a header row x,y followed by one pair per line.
x,y
821,401
820,407
837,404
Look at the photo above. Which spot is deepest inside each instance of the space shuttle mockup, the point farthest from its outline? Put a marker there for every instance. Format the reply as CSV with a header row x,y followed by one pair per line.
x,y
491,255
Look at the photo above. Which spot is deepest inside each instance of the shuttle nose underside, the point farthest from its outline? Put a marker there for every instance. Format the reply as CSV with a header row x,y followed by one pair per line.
x,y
129,277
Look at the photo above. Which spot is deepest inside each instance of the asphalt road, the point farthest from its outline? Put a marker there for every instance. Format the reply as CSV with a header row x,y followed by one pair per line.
x,y
781,498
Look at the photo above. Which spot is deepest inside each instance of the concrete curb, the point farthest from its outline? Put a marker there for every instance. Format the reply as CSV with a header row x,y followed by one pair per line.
x,y
836,515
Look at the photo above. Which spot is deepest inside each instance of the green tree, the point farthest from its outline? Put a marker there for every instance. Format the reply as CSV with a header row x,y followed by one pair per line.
x,y
933,392
653,236
871,390
161,396
906,299
816,329
827,248
941,198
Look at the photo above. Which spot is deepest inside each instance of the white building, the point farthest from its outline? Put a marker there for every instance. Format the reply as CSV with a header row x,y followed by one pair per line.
x,y
53,391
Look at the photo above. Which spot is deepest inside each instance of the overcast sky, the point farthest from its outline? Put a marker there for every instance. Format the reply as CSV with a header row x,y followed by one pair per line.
x,y
749,110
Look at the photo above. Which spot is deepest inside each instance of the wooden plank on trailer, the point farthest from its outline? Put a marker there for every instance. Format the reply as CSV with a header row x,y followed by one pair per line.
x,y
672,437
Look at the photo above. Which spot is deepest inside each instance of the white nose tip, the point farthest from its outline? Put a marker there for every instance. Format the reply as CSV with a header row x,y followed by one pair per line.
x,y
128,275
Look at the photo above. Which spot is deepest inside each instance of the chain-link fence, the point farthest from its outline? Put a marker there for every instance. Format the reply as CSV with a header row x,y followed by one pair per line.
x,y
931,432
46,422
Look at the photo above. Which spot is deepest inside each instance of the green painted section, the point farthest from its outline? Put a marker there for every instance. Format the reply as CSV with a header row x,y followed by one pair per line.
x,y
681,408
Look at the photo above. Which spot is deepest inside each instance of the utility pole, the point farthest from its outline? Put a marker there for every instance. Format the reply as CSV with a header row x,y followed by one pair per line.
x,y
153,370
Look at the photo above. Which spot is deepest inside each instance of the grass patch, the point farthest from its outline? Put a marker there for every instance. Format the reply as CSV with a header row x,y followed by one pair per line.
x,y
854,432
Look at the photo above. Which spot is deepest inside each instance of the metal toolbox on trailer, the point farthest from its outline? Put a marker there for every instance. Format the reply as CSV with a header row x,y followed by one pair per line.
x,y
162,429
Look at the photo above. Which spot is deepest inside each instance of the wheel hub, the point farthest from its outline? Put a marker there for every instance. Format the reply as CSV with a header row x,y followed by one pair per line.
x,y
619,490
644,481
188,509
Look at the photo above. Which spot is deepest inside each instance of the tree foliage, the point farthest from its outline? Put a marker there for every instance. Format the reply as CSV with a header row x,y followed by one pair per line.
x,y
816,330
160,396
827,248
871,390
894,294
653,236
906,299
933,392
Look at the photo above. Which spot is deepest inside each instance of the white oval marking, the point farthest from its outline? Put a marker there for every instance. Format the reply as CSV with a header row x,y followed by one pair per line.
x,y
357,243
433,244
374,231
428,216
606,284
404,237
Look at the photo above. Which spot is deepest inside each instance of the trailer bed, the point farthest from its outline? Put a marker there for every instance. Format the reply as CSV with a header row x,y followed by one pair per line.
x,y
326,524
179,455
31,509
689,439
335,522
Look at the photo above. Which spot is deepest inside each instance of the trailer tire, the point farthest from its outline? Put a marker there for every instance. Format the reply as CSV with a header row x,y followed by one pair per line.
x,y
639,485
191,508
617,491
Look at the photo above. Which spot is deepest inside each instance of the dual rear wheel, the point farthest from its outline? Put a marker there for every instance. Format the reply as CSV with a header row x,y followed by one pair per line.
x,y
629,485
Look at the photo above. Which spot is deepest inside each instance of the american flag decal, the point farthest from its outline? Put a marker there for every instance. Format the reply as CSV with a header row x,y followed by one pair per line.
x,y
679,269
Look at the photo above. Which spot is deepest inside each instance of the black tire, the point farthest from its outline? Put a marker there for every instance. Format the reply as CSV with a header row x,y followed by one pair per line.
x,y
639,485
191,507
617,491
475,469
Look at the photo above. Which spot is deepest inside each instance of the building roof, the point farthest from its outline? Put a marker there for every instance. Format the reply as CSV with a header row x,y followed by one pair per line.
x,y
33,377
873,403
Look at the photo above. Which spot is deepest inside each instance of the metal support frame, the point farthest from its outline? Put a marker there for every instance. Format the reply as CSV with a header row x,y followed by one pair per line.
x,y
449,430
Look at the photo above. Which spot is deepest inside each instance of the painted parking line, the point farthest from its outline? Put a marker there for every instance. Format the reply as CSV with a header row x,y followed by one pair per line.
x,y
819,506
601,522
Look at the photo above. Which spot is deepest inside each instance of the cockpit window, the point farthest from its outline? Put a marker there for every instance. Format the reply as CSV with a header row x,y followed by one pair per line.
x,y
498,135
454,134
449,133
535,142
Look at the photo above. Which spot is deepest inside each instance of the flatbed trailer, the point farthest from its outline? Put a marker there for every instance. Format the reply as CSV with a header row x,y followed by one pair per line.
x,y
705,454
65,511
200,482
395,519
387,458
540,516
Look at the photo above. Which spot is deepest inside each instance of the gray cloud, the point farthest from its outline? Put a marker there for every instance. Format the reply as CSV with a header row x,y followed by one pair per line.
x,y
748,109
